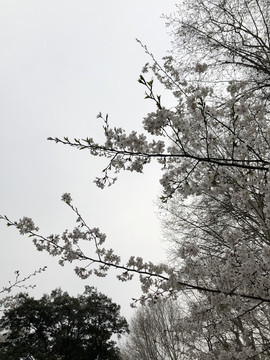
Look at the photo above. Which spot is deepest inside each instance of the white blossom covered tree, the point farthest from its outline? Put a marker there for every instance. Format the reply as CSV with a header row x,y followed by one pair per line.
x,y
214,148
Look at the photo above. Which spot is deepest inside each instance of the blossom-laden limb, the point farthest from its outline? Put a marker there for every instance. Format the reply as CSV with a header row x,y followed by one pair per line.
x,y
196,143
155,280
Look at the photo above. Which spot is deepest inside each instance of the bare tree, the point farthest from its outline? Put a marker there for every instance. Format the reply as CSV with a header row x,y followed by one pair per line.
x,y
232,36
155,333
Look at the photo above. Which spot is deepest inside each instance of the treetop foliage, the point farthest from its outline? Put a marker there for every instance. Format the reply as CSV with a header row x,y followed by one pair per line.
x,y
59,326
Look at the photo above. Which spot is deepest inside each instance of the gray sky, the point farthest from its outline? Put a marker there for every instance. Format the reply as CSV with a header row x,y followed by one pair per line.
x,y
62,62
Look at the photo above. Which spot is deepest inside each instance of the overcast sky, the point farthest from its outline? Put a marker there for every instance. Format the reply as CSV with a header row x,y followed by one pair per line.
x,y
62,62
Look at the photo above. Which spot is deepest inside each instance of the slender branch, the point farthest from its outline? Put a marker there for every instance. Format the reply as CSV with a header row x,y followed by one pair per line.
x,y
246,164
188,286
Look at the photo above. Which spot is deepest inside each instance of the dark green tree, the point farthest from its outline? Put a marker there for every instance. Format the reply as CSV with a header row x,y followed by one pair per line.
x,y
59,326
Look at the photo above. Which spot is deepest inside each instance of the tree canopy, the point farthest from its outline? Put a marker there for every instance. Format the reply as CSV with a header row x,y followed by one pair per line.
x,y
59,326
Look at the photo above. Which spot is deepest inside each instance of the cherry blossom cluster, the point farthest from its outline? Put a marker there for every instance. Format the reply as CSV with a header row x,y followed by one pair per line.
x,y
196,143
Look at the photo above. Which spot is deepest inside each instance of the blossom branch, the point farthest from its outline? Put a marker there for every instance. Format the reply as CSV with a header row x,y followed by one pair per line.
x,y
159,275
